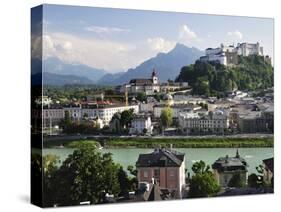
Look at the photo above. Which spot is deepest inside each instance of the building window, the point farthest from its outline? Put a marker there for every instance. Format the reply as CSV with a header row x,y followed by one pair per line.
x,y
145,174
156,173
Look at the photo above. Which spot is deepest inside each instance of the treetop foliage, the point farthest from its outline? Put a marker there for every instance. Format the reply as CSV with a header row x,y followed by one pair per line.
x,y
212,79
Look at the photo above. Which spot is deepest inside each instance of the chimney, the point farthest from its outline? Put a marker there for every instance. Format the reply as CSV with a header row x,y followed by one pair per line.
x,y
237,154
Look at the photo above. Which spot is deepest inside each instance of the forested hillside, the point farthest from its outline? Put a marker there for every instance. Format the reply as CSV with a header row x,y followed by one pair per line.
x,y
211,79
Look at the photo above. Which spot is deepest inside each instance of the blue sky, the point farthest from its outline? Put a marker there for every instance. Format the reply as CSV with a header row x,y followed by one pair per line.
x,y
118,39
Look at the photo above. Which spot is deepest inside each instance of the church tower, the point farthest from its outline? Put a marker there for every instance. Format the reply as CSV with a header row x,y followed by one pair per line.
x,y
154,77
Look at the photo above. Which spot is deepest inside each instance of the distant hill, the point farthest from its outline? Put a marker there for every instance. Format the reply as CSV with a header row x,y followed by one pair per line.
x,y
167,65
110,78
56,66
211,79
58,79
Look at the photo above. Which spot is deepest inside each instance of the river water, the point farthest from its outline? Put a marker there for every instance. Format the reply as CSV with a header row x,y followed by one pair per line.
x,y
129,156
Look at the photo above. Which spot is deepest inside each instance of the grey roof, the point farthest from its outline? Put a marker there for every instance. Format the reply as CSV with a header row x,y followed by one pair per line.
x,y
251,115
141,81
153,194
230,163
269,109
160,158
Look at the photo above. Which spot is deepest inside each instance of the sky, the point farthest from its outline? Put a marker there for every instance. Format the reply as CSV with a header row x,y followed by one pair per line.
x,y
118,39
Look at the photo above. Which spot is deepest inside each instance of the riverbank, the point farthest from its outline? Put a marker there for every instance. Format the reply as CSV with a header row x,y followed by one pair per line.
x,y
189,142
150,142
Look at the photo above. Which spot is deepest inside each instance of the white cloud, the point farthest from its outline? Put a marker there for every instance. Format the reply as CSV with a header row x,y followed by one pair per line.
x,y
188,36
185,33
53,46
48,43
105,30
102,53
159,44
67,45
93,52
237,35
36,46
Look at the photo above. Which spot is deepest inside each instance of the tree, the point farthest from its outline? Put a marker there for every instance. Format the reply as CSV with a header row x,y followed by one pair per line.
x,y
115,123
110,174
86,175
209,78
49,163
201,87
166,117
202,183
256,180
132,170
133,181
109,92
144,131
253,181
123,182
236,181
67,118
126,117
204,106
50,167
85,116
200,167
66,121
141,97
158,97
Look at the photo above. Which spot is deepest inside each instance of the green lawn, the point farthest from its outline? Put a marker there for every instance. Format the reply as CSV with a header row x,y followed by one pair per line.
x,y
189,142
166,142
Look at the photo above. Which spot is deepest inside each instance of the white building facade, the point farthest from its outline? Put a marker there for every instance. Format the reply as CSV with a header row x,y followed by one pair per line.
x,y
75,112
212,122
227,55
140,124
146,107
106,113
176,109
224,55
246,49
148,86
52,116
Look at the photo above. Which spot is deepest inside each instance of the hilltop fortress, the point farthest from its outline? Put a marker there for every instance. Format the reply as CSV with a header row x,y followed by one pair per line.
x,y
228,55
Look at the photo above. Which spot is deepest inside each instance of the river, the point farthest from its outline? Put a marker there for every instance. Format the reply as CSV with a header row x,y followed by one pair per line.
x,y
128,156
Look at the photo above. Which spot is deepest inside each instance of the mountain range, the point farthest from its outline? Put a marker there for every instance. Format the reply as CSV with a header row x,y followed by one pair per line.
x,y
167,66
56,66
58,79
